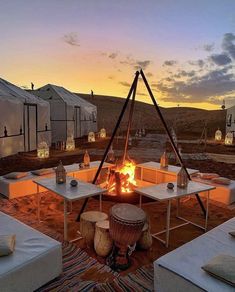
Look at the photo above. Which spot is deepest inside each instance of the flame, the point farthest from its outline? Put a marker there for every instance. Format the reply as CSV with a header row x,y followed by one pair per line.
x,y
126,175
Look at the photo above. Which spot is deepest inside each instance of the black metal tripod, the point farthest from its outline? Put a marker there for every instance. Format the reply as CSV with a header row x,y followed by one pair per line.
x,y
132,93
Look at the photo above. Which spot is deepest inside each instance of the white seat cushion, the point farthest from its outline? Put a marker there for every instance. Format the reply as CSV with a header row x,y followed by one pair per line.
x,y
37,258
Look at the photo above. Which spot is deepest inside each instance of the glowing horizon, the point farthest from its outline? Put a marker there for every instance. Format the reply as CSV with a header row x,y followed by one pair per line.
x,y
187,51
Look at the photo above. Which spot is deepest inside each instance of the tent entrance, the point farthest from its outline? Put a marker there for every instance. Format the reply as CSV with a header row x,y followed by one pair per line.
x,y
77,122
30,127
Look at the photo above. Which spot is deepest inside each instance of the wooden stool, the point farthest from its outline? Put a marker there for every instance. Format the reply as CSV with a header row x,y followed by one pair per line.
x,y
87,225
103,242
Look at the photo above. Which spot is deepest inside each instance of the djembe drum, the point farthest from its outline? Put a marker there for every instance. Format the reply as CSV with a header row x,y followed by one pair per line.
x,y
126,224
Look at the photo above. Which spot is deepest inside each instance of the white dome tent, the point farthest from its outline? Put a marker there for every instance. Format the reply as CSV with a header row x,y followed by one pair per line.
x,y
24,120
70,114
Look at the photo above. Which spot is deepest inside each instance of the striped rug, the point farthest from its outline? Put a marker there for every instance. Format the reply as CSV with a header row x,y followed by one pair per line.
x,y
77,266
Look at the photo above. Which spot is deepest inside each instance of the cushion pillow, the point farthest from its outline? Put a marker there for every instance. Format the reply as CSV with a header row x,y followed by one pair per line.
x,y
221,180
208,175
7,244
15,175
42,171
223,268
232,233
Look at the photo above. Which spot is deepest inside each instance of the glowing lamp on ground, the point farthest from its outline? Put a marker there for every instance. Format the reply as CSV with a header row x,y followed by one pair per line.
x,y
103,133
43,150
70,144
218,135
91,137
229,138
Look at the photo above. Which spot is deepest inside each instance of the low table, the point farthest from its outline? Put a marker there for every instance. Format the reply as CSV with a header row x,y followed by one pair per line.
x,y
160,192
69,194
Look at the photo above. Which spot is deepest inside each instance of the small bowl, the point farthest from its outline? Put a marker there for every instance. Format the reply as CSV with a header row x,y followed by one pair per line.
x,y
170,186
73,183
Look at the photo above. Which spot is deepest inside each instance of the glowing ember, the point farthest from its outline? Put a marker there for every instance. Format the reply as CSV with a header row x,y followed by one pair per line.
x,y
122,179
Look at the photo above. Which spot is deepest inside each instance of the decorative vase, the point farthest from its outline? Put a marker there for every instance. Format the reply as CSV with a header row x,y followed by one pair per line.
x,y
182,178
103,242
86,159
145,241
164,160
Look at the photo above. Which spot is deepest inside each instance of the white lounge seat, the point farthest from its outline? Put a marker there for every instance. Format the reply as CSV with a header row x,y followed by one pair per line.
x,y
224,194
180,270
37,258
14,188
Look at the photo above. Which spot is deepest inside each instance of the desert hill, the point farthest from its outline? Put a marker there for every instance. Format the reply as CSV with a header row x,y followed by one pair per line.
x,y
188,122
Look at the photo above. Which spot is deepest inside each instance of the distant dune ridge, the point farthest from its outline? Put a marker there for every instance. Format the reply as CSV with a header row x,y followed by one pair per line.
x,y
186,121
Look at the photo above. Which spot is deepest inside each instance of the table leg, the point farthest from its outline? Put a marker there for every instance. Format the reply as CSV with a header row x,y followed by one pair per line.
x,y
207,209
65,220
100,202
38,203
168,216
177,207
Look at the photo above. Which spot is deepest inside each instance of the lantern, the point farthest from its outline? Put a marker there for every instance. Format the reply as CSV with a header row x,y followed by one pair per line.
x,y
103,133
60,173
182,179
70,144
164,160
229,138
86,159
43,150
111,155
91,137
218,135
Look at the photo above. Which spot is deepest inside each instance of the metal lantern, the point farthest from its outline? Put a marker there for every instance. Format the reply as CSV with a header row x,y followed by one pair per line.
x,y
91,137
60,173
218,135
43,150
182,179
70,144
164,160
229,138
103,133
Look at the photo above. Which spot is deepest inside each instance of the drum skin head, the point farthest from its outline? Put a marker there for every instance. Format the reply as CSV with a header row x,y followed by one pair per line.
x,y
128,213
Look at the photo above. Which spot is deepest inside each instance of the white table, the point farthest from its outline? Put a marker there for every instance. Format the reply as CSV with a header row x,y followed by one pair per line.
x,y
69,194
153,172
160,192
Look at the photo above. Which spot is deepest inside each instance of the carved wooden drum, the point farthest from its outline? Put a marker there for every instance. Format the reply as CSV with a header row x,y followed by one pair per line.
x,y
126,224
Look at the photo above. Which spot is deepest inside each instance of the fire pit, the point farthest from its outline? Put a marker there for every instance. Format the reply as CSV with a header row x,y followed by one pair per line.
x,y
121,184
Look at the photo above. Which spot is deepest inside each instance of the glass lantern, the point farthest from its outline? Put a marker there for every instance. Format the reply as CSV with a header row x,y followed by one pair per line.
x,y
70,144
60,173
164,160
103,133
218,135
43,150
91,137
86,159
229,138
182,179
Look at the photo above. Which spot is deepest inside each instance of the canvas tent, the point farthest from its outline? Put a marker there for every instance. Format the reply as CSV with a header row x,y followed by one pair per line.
x,y
230,120
70,114
24,120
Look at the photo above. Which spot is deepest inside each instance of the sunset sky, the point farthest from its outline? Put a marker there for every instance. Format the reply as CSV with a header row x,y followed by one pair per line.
x,y
185,47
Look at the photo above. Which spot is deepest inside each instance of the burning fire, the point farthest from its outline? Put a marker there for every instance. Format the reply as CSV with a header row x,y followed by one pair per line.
x,y
122,179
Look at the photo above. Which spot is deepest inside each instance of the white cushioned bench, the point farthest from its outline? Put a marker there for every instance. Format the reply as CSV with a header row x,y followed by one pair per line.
x,y
37,258
14,188
224,194
180,270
